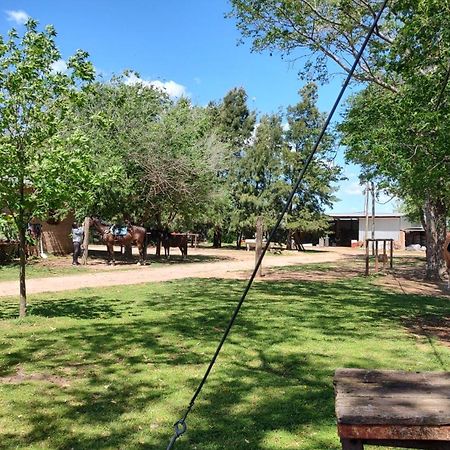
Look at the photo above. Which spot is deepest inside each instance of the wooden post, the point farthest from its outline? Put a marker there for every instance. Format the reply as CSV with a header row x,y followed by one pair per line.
x,y
258,247
373,218
392,253
367,257
376,256
384,255
85,240
366,210
352,444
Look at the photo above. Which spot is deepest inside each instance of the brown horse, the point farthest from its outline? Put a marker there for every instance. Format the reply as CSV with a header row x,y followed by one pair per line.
x,y
179,240
135,235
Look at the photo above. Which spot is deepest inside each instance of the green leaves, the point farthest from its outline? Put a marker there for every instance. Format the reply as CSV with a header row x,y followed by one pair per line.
x,y
36,150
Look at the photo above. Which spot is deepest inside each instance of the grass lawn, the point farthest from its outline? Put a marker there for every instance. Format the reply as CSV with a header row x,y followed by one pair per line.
x,y
37,269
58,266
114,368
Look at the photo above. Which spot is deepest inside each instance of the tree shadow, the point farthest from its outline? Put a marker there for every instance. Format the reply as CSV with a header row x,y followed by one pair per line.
x,y
99,256
143,355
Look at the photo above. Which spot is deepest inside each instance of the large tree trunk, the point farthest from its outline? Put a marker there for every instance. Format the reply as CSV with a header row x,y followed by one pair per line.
x,y
217,239
239,240
23,260
435,231
159,229
289,240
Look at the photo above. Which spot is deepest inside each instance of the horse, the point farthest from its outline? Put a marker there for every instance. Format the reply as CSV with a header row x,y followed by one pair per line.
x,y
446,250
179,240
135,235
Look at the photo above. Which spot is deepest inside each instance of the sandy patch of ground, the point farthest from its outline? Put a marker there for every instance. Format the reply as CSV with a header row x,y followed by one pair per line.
x,y
406,277
21,377
220,263
428,327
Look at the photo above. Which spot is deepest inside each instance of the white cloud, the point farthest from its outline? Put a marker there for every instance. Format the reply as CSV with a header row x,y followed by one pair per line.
x,y
354,189
20,17
59,66
172,88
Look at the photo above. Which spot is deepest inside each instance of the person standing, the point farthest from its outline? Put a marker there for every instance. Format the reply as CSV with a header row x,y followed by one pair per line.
x,y
77,239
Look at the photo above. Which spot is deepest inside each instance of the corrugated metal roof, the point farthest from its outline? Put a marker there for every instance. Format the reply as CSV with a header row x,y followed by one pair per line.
x,y
358,215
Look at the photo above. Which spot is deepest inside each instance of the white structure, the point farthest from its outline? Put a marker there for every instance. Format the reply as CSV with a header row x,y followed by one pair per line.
x,y
351,228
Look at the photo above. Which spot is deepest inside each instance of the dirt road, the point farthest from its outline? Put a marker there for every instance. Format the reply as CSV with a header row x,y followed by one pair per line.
x,y
228,264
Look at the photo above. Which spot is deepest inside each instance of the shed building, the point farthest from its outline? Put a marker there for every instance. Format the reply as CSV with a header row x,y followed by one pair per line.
x,y
350,229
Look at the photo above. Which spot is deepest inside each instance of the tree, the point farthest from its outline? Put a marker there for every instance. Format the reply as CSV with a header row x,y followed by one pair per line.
x,y
177,174
120,120
406,58
236,121
258,185
319,32
381,136
42,167
235,125
305,122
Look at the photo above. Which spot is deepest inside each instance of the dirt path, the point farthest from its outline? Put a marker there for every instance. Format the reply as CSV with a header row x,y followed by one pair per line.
x,y
232,264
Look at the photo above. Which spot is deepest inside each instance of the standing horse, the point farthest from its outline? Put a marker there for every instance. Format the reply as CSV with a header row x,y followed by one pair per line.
x,y
135,235
179,240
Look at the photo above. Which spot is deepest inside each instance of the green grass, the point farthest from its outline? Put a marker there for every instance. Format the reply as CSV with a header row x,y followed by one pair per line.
x,y
45,269
37,269
122,363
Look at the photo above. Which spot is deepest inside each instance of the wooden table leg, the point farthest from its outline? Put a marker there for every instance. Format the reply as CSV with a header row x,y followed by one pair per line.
x,y
351,444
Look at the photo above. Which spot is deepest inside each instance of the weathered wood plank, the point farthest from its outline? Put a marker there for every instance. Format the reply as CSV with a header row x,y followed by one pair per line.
x,y
392,397
400,443
393,407
404,390
393,410
389,432
386,376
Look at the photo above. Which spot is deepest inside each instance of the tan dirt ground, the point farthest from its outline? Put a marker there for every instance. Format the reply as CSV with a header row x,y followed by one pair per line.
x,y
407,276
223,263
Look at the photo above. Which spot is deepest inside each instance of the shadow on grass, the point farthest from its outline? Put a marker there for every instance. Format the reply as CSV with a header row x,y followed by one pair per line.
x,y
151,346
151,258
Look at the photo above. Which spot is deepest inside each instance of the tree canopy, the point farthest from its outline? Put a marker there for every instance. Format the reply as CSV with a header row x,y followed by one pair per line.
x,y
396,127
42,167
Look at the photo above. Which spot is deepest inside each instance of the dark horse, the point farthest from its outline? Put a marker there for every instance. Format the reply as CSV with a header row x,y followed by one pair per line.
x,y
179,240
135,235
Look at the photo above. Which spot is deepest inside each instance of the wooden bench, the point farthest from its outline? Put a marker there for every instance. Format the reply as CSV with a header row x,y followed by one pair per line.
x,y
393,408
274,246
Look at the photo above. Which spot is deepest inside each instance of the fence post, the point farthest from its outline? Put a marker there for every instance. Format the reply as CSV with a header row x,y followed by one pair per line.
x,y
367,257
85,240
392,253
258,245
376,255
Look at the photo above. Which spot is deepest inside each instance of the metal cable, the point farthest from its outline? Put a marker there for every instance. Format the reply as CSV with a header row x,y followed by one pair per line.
x,y
180,426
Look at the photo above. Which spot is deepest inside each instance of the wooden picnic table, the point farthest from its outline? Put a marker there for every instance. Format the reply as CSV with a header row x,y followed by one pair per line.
x,y
392,408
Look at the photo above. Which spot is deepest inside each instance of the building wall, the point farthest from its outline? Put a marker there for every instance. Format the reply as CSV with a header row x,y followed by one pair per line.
x,y
386,228
57,239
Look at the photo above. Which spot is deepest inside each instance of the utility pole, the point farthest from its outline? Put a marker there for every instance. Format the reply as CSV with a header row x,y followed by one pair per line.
x,y
366,212
373,216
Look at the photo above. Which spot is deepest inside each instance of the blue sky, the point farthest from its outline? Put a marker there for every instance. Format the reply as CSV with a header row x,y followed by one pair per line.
x,y
186,46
